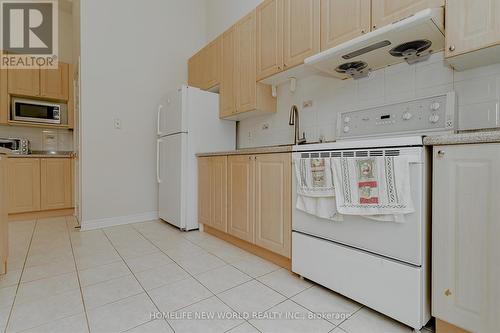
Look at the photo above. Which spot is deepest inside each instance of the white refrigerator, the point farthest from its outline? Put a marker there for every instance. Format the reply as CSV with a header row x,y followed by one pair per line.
x,y
188,123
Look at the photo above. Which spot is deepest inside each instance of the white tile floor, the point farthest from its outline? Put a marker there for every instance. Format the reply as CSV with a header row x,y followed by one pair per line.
x,y
112,280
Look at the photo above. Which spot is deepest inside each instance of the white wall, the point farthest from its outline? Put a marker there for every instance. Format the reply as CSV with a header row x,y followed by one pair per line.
x,y
478,94
221,14
132,52
65,32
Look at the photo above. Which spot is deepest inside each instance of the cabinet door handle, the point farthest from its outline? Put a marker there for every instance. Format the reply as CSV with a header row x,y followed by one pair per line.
x,y
447,292
441,153
451,48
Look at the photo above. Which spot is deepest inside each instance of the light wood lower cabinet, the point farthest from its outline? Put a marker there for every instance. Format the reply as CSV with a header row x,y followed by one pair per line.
x,y
273,200
466,236
240,197
3,216
258,193
39,184
212,192
204,191
55,179
24,185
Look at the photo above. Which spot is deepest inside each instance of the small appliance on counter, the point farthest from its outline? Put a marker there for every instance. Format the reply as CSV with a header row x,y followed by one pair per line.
x,y
18,146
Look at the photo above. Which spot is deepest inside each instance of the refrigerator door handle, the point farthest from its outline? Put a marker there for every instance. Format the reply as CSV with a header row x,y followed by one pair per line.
x,y
158,177
160,108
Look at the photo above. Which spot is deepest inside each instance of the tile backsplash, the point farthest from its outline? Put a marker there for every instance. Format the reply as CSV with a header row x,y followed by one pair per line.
x,y
478,93
40,138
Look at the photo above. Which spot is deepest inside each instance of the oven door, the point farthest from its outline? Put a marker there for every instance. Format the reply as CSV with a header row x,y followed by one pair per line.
x,y
36,111
399,241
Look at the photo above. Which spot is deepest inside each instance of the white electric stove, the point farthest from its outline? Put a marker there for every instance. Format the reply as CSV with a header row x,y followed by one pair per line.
x,y
383,265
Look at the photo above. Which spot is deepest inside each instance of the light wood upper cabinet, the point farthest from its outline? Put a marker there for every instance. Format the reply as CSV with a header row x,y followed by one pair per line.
x,y
466,236
301,31
46,83
204,191
56,183
273,197
228,80
343,20
245,96
385,12
195,76
245,64
211,64
219,192
25,82
204,68
240,197
4,230
4,97
471,25
269,16
54,83
24,185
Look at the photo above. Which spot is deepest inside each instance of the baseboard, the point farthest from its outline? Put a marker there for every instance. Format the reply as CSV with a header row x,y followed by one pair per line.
x,y
249,247
115,221
41,214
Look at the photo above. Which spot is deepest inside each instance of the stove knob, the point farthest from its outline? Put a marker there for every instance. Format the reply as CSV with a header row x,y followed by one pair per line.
x,y
435,106
346,129
407,116
434,118
347,120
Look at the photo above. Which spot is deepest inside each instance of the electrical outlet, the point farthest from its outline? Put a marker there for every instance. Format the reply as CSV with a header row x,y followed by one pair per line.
x,y
307,104
118,123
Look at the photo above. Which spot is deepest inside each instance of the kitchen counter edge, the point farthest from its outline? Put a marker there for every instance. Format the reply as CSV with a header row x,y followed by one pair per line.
x,y
463,138
42,156
249,151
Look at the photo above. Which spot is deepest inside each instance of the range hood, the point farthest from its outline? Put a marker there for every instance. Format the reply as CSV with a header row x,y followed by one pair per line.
x,y
412,39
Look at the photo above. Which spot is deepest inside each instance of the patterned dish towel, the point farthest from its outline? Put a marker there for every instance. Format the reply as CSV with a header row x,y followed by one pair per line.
x,y
375,186
315,190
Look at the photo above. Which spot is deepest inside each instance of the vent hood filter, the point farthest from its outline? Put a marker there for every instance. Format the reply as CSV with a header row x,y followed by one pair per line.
x,y
412,39
414,51
356,69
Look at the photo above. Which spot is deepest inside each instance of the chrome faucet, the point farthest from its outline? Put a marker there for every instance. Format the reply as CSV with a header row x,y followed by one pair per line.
x,y
294,120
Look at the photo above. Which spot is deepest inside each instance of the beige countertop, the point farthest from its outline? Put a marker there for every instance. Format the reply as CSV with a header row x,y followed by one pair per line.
x,y
42,154
463,138
250,151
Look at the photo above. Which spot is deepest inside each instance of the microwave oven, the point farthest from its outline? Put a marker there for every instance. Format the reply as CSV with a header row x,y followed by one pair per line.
x,y
36,111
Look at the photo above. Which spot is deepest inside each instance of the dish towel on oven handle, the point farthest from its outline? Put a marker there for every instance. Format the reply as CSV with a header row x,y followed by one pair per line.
x,y
375,187
315,190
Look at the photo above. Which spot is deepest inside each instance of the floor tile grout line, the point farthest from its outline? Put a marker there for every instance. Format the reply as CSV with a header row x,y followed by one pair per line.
x,y
139,282
21,276
216,295
192,276
78,278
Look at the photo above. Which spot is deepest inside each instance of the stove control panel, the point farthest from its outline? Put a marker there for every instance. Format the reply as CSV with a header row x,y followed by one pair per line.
x,y
429,114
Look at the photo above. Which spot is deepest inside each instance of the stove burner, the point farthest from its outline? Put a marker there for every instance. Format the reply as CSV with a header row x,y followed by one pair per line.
x,y
414,51
355,69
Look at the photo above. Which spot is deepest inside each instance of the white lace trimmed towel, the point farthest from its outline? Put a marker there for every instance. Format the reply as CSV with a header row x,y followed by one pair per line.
x,y
315,190
373,186
314,177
